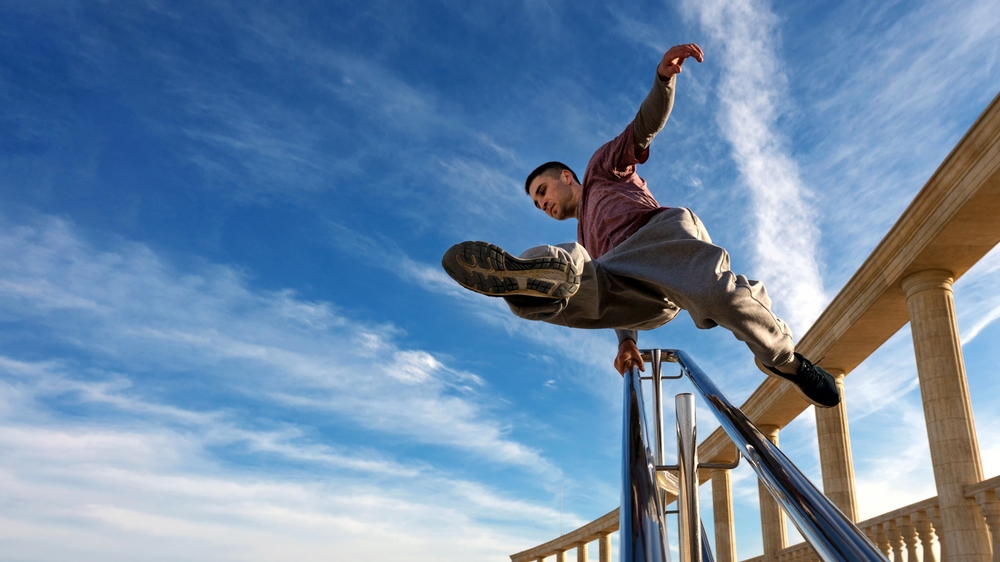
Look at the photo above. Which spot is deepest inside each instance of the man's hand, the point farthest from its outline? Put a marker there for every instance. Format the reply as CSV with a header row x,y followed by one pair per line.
x,y
628,354
674,58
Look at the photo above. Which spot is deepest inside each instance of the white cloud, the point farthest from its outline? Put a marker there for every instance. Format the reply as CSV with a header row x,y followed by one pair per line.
x,y
751,92
115,495
880,116
977,301
111,460
115,302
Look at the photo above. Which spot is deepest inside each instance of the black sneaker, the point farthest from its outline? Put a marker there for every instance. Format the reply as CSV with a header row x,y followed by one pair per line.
x,y
487,269
813,383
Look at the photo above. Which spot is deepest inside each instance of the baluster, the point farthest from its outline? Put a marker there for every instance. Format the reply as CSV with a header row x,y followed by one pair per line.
x,y
895,539
883,541
560,556
909,534
870,533
934,513
581,552
990,507
873,535
923,528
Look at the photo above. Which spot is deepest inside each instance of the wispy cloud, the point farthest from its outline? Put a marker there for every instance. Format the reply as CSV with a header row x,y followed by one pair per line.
x,y
145,464
880,116
975,292
113,302
751,90
117,494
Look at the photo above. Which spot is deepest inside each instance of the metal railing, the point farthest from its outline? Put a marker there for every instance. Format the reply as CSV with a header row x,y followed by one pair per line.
x,y
641,517
834,537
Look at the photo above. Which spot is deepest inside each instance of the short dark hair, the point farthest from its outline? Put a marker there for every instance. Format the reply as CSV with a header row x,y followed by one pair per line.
x,y
547,168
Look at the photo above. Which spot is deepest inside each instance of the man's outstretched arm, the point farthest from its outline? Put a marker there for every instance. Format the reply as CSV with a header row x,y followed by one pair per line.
x,y
655,109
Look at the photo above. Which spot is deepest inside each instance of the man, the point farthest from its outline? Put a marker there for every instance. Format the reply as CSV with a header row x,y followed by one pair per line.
x,y
637,263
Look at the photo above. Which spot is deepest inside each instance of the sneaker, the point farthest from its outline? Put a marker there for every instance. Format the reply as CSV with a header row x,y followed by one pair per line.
x,y
812,382
487,269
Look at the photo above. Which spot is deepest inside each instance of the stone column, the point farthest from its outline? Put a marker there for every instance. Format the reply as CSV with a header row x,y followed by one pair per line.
x,y
835,453
581,552
722,511
771,521
951,431
604,547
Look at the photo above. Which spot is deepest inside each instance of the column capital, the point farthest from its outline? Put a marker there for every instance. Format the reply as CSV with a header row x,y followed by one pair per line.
x,y
770,431
927,279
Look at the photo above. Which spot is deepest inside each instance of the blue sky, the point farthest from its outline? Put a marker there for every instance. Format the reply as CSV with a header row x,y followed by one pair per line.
x,y
224,331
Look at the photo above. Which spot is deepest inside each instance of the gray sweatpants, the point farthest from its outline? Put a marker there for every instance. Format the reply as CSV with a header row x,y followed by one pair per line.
x,y
667,265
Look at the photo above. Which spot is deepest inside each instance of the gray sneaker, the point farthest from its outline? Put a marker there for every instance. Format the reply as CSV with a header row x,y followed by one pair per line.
x,y
487,269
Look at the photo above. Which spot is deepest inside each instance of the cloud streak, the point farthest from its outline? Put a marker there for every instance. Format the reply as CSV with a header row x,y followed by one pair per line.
x,y
116,301
750,92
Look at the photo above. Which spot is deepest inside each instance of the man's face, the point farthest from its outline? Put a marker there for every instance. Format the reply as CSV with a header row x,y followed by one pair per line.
x,y
553,193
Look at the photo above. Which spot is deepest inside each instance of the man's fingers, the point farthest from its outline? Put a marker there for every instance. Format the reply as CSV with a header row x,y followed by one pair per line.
x,y
683,51
697,52
694,50
635,361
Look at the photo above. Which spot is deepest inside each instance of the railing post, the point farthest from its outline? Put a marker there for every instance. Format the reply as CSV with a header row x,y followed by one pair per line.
x,y
688,511
951,431
657,405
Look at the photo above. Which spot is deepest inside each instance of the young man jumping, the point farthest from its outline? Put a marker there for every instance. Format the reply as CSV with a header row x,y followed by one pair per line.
x,y
636,264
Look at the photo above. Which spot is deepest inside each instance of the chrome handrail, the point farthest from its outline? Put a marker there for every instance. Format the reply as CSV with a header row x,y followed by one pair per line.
x,y
834,537
641,517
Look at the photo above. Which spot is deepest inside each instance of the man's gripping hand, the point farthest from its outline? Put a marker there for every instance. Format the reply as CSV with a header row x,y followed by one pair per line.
x,y
628,354
674,58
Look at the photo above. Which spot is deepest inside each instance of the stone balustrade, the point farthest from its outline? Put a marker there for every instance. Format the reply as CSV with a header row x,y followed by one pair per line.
x,y
599,530
905,534
986,495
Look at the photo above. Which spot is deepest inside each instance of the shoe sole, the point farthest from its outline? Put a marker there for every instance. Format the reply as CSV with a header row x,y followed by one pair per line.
x,y
488,269
798,389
